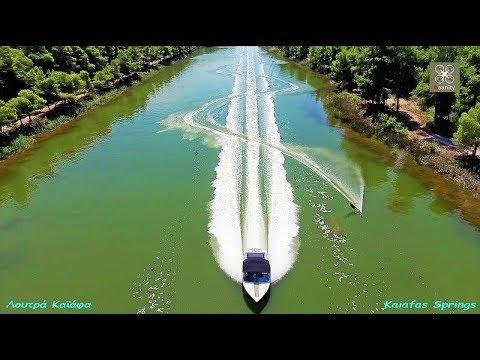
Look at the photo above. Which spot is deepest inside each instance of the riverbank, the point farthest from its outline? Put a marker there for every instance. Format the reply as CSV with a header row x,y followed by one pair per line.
x,y
442,158
19,135
427,148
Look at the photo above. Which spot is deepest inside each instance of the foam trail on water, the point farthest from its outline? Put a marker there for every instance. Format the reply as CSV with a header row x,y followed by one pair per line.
x,y
282,211
251,164
225,223
254,223
343,175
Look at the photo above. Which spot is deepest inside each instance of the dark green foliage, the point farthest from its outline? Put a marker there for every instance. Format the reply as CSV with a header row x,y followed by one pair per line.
x,y
85,77
378,72
441,102
19,142
129,60
29,67
20,105
390,123
381,71
40,56
34,76
48,89
102,77
344,67
25,102
468,133
374,72
7,114
404,74
14,66
296,52
34,100
322,55
469,60
97,58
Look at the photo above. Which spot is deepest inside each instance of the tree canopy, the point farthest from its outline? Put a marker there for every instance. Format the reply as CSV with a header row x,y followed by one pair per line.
x,y
402,71
7,114
31,76
468,133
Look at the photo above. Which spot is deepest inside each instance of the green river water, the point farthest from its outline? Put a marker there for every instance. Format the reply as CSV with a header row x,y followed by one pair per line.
x,y
130,208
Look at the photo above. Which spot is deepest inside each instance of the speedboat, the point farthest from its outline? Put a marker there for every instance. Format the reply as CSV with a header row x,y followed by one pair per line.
x,y
256,274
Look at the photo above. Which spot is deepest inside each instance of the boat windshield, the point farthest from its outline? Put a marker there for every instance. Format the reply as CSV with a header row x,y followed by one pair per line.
x,y
256,277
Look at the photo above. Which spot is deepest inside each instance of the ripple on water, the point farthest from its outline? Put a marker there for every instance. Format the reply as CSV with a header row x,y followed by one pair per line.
x,y
154,289
360,294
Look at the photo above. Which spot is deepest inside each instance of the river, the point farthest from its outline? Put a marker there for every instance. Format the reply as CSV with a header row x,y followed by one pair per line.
x,y
144,204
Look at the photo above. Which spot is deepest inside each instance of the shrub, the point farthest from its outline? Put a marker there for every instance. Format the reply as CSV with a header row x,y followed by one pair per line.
x,y
20,142
390,123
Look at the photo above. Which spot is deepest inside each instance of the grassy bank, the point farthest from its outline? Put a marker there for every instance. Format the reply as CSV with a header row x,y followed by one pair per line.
x,y
23,136
347,108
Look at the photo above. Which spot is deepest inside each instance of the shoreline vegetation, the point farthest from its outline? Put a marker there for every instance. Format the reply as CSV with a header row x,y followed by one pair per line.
x,y
29,114
398,121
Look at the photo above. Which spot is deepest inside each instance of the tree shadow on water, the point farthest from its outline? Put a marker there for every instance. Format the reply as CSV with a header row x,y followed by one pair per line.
x,y
256,307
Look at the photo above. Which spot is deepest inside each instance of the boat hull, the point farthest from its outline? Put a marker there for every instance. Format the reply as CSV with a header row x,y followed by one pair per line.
x,y
256,290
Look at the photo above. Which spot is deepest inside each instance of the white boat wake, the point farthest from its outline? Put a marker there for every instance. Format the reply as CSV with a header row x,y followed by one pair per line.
x,y
253,204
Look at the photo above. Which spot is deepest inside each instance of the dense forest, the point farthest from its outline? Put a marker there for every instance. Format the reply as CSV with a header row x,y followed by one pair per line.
x,y
377,72
34,76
